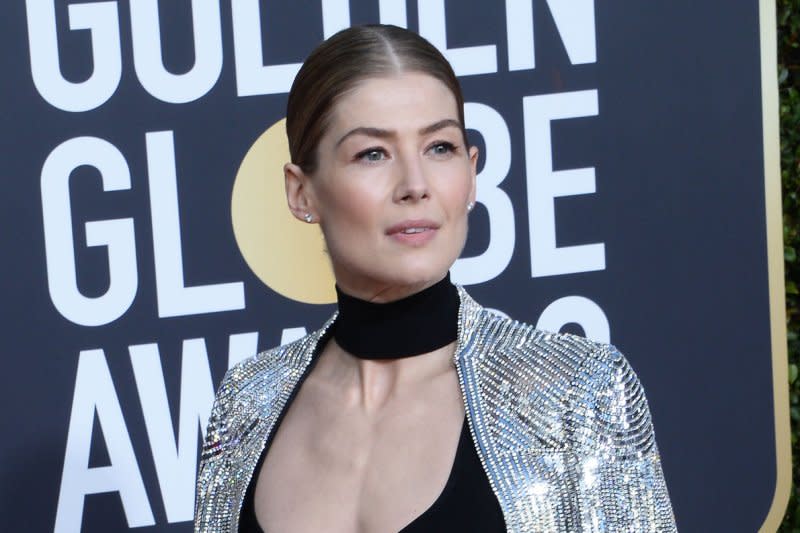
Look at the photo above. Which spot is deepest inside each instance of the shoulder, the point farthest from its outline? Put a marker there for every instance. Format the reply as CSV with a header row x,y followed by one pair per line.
x,y
244,401
243,381
249,390
584,393
269,366
566,360
272,364
499,340
255,382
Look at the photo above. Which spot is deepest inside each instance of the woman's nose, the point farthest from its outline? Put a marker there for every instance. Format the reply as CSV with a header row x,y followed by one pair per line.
x,y
412,181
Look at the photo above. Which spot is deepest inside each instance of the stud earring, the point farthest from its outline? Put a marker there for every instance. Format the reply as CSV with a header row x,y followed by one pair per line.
x,y
470,206
308,217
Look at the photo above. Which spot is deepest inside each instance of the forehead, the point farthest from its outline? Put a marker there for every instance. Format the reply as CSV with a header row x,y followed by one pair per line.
x,y
408,100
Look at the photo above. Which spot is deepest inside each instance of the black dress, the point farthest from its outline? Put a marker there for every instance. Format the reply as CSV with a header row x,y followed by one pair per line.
x,y
467,502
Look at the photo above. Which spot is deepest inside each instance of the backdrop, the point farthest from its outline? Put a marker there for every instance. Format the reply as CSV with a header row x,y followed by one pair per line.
x,y
627,192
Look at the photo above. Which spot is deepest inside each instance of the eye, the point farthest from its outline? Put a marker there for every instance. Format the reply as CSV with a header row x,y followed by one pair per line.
x,y
442,148
371,155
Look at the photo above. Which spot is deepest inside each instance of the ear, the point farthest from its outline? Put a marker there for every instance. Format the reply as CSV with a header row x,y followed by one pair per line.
x,y
299,193
473,165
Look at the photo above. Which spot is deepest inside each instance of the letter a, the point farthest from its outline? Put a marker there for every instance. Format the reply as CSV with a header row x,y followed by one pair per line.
x,y
94,391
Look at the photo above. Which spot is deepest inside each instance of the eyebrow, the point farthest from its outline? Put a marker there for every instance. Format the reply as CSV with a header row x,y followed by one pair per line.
x,y
384,134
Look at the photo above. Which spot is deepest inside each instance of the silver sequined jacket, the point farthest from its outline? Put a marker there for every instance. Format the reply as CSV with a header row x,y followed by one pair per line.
x,y
560,423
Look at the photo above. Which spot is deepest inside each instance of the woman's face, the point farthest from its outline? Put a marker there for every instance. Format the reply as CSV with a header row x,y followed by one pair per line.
x,y
392,186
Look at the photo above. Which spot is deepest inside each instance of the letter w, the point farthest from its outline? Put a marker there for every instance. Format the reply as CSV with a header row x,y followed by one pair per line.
x,y
176,463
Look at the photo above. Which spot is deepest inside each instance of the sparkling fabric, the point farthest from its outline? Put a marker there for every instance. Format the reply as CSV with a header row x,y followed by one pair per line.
x,y
560,423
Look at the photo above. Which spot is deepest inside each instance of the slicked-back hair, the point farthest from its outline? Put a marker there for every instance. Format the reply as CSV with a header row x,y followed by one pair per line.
x,y
342,61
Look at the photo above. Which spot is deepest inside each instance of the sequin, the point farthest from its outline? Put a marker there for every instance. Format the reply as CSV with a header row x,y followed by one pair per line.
x,y
560,423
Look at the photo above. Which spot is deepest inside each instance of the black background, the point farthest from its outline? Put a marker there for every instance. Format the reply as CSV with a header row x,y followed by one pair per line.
x,y
677,148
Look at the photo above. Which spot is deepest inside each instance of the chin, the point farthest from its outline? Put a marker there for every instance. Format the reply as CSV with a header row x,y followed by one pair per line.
x,y
414,273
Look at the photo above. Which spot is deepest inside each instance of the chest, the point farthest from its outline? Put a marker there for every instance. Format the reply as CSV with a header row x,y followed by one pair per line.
x,y
330,465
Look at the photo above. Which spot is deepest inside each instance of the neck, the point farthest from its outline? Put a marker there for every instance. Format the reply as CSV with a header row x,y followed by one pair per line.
x,y
417,324
380,350
372,384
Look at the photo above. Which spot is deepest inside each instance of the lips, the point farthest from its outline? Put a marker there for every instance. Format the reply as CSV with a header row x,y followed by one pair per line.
x,y
413,233
411,227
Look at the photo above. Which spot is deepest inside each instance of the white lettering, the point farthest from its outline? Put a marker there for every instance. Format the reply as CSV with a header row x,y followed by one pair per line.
x,y
393,12
519,27
147,59
175,462
575,23
94,392
102,20
489,265
466,61
335,16
174,298
252,76
574,20
292,334
241,346
545,184
116,235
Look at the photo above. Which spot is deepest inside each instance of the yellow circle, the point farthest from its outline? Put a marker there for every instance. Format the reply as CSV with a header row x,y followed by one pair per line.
x,y
286,254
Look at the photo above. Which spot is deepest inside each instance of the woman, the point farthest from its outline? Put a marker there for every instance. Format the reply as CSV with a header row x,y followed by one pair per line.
x,y
415,409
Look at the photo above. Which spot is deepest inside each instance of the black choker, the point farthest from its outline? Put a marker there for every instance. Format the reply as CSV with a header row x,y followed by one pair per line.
x,y
417,324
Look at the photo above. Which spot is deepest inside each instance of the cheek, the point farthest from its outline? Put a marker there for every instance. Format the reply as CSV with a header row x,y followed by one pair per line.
x,y
457,186
348,209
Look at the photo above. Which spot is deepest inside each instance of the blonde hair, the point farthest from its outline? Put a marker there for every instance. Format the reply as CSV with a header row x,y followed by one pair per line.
x,y
343,60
